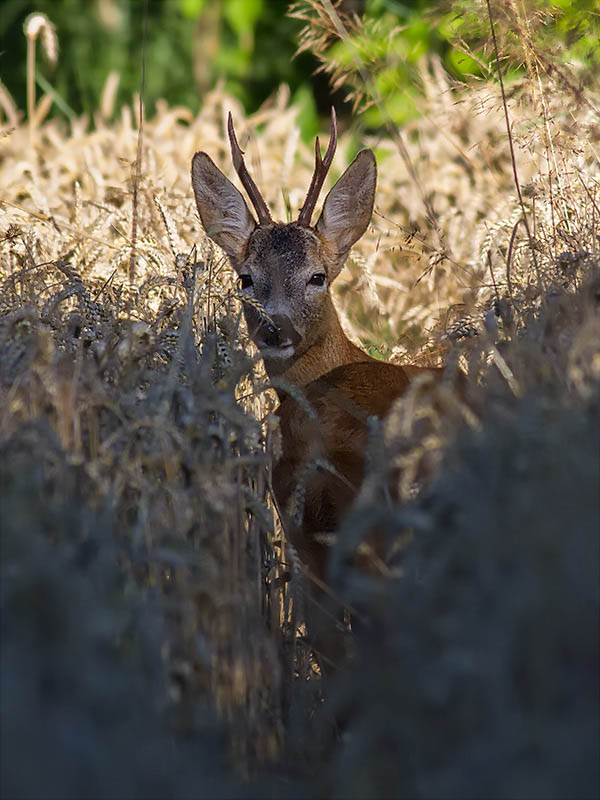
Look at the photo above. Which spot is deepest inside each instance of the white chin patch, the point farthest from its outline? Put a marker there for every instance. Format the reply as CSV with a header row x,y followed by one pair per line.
x,y
278,353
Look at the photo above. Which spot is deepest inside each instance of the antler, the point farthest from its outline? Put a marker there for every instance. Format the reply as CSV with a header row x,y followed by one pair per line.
x,y
320,173
237,155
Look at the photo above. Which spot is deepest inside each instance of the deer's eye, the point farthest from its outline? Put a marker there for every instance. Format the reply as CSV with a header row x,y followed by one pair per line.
x,y
246,282
318,279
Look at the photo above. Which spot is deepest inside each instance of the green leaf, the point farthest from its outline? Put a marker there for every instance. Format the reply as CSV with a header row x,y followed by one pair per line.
x,y
242,16
192,8
462,63
308,119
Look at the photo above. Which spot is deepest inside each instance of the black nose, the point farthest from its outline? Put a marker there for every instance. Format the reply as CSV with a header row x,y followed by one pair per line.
x,y
270,334
278,332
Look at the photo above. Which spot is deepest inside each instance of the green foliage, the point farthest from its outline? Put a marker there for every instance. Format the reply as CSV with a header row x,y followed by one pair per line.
x,y
190,45
252,46
566,31
377,59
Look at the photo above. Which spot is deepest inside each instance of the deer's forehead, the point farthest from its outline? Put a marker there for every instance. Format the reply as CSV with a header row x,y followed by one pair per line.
x,y
283,249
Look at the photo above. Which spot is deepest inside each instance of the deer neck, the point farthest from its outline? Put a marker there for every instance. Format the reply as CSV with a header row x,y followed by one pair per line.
x,y
331,349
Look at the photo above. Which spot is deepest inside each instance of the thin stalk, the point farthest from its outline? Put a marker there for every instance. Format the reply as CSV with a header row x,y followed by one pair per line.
x,y
390,127
512,153
31,83
138,160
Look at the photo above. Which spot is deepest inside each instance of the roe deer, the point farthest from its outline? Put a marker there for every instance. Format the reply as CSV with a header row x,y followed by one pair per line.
x,y
289,268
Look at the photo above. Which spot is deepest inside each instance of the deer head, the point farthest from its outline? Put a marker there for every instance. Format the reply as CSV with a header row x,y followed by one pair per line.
x,y
287,267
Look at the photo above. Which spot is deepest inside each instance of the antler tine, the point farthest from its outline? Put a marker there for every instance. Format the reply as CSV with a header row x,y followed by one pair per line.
x,y
237,155
320,173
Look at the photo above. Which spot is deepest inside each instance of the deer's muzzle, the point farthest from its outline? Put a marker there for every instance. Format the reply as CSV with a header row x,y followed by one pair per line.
x,y
278,334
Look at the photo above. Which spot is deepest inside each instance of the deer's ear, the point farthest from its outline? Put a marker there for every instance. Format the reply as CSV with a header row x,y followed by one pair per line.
x,y
348,206
223,210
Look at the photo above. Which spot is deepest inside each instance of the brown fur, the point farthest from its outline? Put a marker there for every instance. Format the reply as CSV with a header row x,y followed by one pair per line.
x,y
342,400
